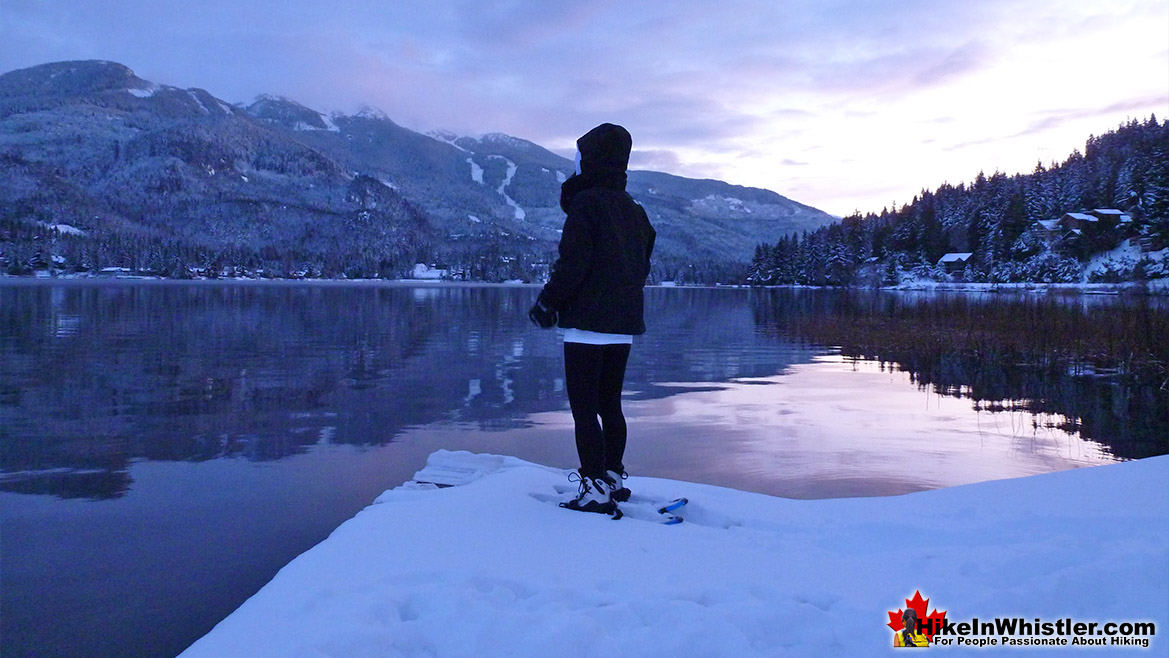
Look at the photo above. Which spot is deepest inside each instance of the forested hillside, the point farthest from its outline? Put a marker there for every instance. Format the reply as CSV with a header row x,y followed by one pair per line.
x,y
101,170
1043,226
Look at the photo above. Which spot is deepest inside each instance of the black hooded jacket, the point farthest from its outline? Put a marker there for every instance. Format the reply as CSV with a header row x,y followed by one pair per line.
x,y
597,281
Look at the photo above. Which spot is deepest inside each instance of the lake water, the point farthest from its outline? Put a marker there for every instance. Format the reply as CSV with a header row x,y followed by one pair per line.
x,y
166,447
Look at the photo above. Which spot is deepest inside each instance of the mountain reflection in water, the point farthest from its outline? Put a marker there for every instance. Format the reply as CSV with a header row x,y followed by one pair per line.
x,y
167,447
94,377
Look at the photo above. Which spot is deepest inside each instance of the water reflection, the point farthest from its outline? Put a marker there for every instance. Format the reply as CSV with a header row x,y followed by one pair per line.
x,y
94,377
1084,365
841,427
97,376
231,426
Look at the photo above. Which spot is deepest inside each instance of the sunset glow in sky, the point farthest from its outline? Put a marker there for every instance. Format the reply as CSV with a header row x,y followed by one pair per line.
x,y
840,104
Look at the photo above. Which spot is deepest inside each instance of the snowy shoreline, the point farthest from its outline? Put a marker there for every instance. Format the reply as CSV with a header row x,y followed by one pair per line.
x,y
493,567
1156,287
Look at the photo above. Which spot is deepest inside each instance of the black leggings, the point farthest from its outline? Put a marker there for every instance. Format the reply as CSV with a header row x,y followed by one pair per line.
x,y
594,375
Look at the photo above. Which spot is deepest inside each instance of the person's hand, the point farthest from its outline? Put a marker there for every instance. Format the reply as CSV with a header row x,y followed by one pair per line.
x,y
542,316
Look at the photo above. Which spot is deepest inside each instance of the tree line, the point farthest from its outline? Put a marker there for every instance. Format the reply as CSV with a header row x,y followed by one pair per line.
x,y
993,219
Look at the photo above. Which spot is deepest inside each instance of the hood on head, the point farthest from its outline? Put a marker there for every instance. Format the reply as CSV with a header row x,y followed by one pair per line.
x,y
605,147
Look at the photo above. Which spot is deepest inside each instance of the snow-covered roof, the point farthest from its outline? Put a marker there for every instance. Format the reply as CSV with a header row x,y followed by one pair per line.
x,y
1120,215
1049,224
956,257
1084,217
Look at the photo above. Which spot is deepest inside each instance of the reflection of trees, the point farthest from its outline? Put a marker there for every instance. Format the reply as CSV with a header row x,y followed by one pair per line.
x,y
196,372
1101,366
95,376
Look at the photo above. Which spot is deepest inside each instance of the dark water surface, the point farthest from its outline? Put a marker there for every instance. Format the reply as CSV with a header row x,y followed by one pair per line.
x,y
166,447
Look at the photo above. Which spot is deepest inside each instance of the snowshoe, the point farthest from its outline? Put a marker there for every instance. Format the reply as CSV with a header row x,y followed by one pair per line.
x,y
620,492
594,495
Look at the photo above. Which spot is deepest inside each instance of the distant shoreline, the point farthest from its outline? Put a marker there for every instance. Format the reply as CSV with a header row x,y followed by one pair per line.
x,y
100,278
1156,287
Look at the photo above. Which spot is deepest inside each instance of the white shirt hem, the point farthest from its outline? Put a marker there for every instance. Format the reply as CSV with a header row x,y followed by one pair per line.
x,y
596,337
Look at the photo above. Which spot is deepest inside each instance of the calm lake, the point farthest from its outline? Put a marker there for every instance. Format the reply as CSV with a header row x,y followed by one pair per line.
x,y
166,447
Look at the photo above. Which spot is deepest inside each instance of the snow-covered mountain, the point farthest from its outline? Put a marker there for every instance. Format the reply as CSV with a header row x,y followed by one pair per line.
x,y
289,114
91,146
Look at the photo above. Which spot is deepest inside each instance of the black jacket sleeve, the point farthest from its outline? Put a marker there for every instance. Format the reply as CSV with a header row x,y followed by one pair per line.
x,y
649,248
576,257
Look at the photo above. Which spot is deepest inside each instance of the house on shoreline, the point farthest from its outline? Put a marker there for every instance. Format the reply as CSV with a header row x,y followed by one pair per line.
x,y
956,262
1071,228
1099,219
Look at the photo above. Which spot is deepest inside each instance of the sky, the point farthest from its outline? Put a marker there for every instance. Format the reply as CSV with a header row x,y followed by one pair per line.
x,y
844,105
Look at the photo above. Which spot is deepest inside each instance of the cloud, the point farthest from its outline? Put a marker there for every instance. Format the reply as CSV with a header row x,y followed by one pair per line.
x,y
1049,120
741,90
958,62
654,160
1055,118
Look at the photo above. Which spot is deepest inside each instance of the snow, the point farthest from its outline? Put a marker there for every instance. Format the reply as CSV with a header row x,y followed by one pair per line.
x,y
492,567
502,189
329,126
195,97
956,257
424,271
1126,255
1153,287
725,203
367,112
447,137
143,93
504,140
476,171
64,229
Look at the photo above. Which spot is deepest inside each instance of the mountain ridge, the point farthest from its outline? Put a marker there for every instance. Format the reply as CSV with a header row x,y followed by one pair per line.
x,y
276,185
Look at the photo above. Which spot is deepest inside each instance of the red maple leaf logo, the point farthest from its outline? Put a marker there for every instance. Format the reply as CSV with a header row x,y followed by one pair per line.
x,y
929,623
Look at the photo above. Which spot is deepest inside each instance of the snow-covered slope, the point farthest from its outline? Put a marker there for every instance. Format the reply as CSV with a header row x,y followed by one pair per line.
x,y
92,145
494,568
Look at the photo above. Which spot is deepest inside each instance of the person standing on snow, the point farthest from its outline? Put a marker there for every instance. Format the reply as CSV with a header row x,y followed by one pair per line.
x,y
595,293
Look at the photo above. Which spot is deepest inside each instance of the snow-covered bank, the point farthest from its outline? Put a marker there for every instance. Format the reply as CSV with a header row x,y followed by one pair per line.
x,y
1154,287
494,568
